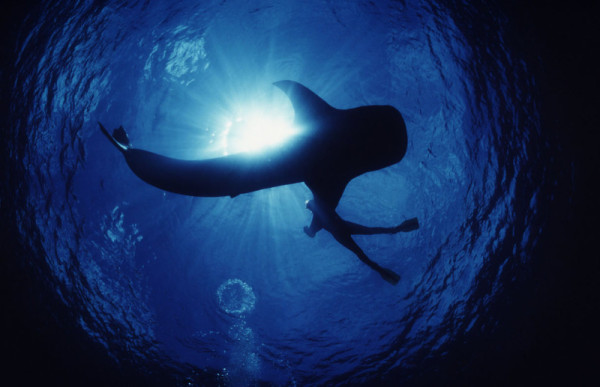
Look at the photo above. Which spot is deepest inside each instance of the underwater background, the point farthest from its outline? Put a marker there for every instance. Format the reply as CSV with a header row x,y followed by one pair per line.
x,y
108,281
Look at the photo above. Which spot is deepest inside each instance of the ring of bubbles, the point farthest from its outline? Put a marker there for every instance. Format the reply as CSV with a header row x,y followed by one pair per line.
x,y
236,297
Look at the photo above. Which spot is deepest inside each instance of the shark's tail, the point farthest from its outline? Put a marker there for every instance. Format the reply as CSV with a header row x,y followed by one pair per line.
x,y
119,138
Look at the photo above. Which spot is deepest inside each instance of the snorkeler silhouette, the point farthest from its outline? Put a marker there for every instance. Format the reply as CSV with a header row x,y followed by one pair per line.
x,y
335,146
343,230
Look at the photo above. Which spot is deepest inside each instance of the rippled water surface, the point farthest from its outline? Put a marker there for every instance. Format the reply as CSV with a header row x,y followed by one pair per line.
x,y
233,288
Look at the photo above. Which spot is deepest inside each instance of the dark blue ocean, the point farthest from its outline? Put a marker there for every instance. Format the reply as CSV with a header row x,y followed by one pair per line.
x,y
111,281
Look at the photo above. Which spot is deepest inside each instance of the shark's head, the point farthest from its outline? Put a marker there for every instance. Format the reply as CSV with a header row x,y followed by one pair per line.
x,y
352,141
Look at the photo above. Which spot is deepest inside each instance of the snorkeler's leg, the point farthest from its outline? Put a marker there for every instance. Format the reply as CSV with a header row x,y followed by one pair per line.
x,y
386,274
358,229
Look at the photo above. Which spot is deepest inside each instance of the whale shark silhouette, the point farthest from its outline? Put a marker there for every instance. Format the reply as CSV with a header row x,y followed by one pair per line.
x,y
336,145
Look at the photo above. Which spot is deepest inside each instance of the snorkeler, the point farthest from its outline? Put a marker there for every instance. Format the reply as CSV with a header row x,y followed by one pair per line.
x,y
342,231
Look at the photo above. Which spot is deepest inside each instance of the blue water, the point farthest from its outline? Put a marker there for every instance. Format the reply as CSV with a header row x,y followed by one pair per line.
x,y
232,290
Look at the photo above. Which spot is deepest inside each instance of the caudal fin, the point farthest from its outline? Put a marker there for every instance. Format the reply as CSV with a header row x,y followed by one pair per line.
x,y
120,135
119,138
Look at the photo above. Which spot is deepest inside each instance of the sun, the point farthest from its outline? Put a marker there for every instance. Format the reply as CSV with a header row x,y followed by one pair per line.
x,y
256,130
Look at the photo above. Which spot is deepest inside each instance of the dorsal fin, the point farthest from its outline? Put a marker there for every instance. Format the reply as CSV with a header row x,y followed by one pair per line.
x,y
308,107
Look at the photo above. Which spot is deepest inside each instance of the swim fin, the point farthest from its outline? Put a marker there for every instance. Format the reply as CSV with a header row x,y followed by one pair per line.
x,y
408,225
389,275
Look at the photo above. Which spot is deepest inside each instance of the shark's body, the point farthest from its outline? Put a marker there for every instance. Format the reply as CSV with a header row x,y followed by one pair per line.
x,y
335,147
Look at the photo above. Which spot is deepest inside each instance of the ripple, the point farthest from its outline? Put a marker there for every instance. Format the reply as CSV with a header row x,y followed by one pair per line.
x,y
473,175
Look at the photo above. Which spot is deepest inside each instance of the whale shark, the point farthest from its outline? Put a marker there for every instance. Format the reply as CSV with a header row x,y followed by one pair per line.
x,y
334,147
